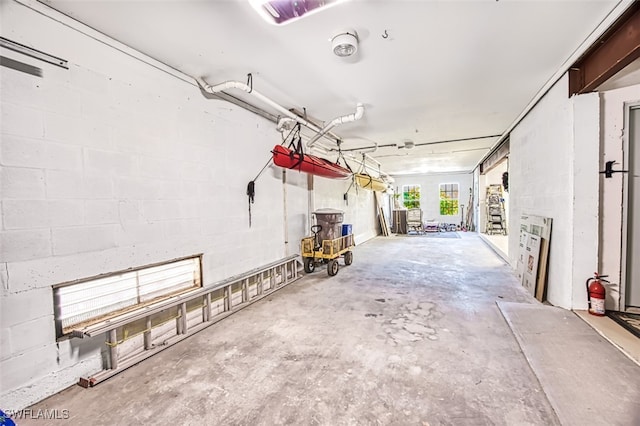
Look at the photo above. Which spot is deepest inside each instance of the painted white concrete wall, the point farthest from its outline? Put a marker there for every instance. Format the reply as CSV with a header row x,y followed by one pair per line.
x,y
586,148
115,164
553,172
541,183
613,134
477,184
430,193
359,208
297,195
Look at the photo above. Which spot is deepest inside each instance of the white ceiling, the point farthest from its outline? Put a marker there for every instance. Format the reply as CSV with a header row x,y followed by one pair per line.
x,y
446,70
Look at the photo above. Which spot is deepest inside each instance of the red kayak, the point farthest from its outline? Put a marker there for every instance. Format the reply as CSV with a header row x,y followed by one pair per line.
x,y
289,159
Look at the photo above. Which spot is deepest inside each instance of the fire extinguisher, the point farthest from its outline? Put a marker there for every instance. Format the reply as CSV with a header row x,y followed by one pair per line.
x,y
596,294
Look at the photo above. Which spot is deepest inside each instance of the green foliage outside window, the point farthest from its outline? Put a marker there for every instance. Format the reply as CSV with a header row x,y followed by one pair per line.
x,y
411,196
448,199
448,207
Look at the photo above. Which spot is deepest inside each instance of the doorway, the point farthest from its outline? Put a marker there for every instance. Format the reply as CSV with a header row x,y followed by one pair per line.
x,y
494,206
631,238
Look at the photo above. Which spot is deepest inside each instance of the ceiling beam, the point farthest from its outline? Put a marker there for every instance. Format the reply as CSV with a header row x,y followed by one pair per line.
x,y
613,51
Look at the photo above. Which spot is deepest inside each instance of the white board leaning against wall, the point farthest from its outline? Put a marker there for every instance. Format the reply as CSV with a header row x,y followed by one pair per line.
x,y
533,254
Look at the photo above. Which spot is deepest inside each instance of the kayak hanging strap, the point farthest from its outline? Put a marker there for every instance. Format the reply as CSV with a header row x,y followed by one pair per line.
x,y
251,189
341,155
251,192
296,148
363,168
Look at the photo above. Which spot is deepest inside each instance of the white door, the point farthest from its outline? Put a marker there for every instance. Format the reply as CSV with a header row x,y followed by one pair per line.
x,y
632,288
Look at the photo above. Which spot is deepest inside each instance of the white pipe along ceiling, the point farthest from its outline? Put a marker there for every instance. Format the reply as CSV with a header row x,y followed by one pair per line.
x,y
218,88
313,141
336,121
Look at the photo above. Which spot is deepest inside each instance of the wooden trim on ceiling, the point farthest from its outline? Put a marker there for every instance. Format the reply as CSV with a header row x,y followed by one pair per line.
x,y
614,50
497,155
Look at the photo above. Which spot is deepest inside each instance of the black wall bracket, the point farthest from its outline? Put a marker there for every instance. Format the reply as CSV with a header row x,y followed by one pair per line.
x,y
608,169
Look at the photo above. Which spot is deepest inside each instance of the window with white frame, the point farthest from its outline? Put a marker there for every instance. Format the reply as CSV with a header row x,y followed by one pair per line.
x,y
448,199
82,303
411,196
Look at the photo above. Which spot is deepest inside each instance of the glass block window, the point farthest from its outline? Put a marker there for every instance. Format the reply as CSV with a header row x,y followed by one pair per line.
x,y
448,199
411,196
85,302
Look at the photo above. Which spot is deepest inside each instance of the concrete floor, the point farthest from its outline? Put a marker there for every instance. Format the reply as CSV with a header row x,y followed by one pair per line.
x,y
409,334
621,338
588,380
499,243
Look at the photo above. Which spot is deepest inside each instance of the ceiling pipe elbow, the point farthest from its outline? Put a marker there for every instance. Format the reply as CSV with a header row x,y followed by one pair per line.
x,y
231,85
222,86
336,121
351,117
282,123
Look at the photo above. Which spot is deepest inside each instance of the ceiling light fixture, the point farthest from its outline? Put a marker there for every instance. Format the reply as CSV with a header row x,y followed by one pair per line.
x,y
280,12
345,44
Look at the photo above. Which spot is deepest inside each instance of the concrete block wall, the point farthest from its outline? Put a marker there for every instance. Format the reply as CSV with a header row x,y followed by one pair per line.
x,y
297,204
586,194
556,153
359,208
430,193
113,164
477,207
541,183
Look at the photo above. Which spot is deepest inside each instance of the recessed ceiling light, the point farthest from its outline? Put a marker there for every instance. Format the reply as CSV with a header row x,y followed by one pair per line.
x,y
345,43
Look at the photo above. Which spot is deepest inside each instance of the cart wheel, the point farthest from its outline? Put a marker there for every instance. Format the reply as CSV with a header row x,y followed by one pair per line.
x,y
348,258
332,267
309,265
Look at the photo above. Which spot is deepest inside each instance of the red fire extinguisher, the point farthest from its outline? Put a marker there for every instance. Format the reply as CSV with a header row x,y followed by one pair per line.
x,y
596,294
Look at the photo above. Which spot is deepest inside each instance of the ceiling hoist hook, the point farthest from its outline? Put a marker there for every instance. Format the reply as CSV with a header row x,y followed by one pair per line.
x,y
250,82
